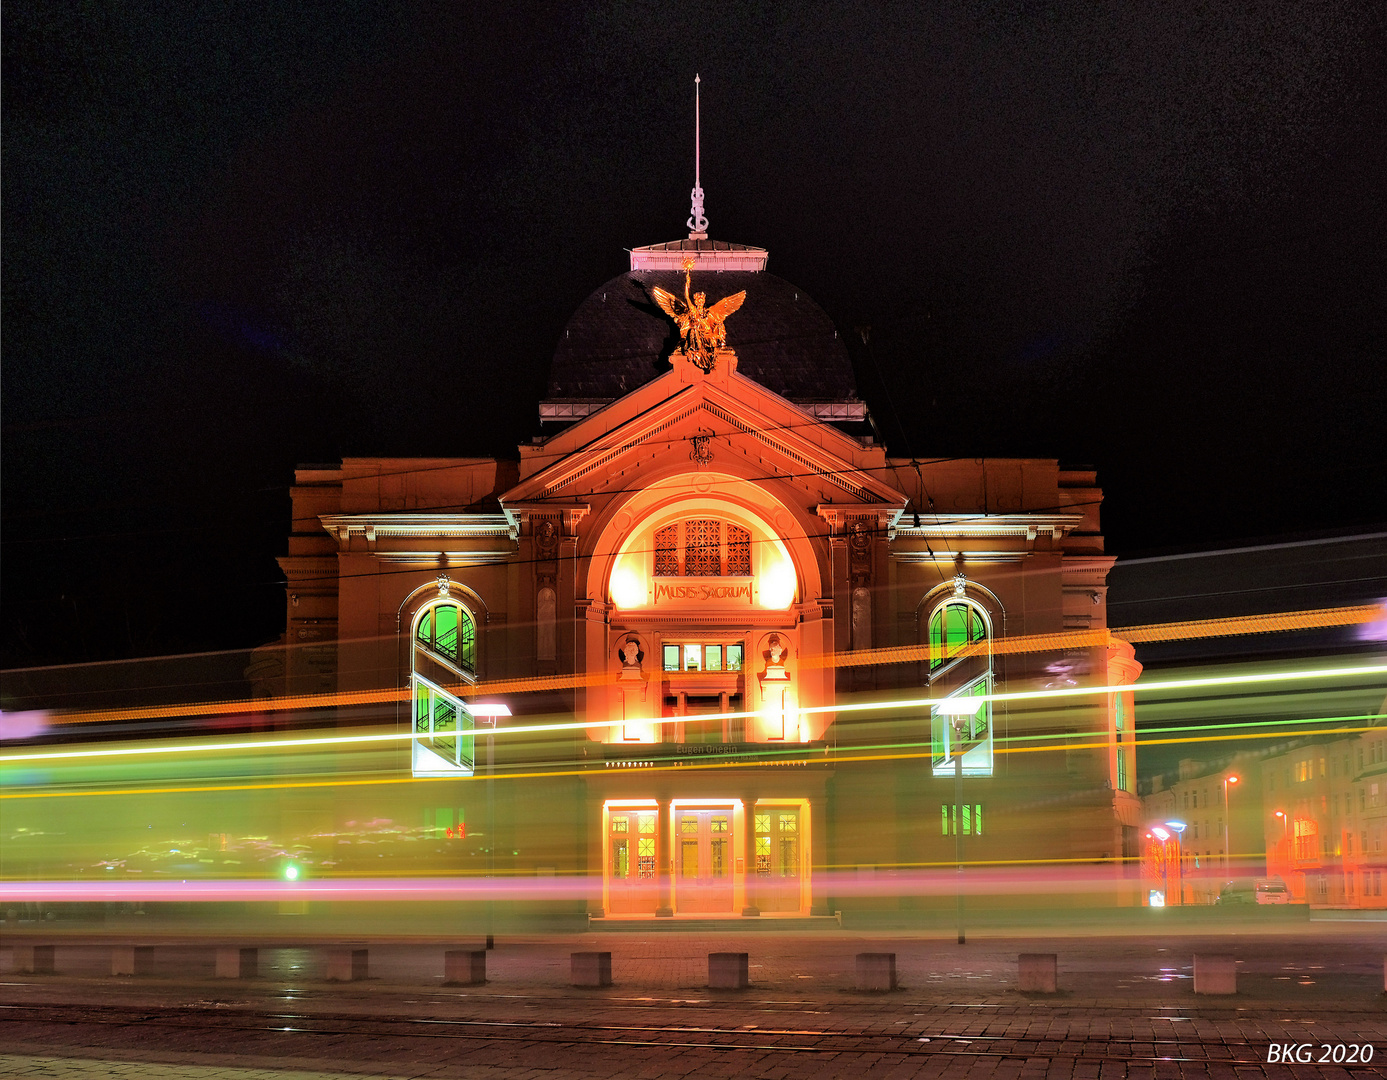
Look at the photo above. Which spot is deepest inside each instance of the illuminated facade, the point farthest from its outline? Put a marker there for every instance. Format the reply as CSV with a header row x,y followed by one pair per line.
x,y
721,575
1324,811
1312,812
1212,821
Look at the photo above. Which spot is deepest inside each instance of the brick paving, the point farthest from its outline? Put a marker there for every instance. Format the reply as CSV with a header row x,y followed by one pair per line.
x,y
1126,1009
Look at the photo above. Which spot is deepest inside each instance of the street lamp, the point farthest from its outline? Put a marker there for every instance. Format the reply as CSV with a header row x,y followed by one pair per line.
x,y
959,710
488,713
1227,815
1286,837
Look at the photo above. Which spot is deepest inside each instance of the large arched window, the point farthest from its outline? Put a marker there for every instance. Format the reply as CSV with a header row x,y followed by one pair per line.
x,y
960,661
954,625
444,654
702,547
448,630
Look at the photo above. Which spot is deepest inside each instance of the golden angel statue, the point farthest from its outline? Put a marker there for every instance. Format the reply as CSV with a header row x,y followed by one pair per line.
x,y
701,328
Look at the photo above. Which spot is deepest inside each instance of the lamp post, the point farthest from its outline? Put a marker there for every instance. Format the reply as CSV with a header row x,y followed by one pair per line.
x,y
1227,817
488,713
1285,837
958,710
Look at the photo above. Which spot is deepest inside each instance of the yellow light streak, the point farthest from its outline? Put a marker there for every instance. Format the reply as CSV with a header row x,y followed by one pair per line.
x,y
1065,692
825,755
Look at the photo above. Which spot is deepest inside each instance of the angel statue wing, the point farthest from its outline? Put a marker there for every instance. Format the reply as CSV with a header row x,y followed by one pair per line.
x,y
718,313
672,306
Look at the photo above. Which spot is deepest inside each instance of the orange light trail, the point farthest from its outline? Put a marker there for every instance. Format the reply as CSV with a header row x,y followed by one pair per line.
x,y
1283,622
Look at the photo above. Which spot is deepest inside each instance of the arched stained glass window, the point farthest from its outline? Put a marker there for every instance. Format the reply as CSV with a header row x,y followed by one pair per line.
x,y
448,630
952,627
445,643
960,661
702,547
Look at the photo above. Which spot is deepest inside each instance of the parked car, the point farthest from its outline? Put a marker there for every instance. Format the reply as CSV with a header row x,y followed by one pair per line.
x,y
1255,891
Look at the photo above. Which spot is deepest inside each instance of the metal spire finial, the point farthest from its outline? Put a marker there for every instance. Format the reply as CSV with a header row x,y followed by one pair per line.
x,y
697,223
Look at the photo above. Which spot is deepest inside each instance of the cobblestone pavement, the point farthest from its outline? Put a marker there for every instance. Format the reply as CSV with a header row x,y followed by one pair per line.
x,y
1126,1008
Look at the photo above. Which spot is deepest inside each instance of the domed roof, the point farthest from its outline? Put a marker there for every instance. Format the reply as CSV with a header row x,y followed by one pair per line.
x,y
618,339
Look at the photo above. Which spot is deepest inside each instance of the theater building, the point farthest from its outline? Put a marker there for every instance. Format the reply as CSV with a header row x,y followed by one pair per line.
x,y
712,586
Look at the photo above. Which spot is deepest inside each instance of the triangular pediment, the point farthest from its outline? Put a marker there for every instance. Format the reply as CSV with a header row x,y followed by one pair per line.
x,y
777,438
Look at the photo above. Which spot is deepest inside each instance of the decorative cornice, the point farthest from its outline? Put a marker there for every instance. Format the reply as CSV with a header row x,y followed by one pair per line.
x,y
372,527
1086,569
443,559
562,410
944,557
1028,526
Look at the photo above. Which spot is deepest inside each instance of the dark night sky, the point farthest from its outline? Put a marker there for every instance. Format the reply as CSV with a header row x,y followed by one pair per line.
x,y
237,237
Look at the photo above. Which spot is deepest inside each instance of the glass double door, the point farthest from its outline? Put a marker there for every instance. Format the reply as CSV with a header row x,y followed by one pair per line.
x,y
632,887
703,860
777,882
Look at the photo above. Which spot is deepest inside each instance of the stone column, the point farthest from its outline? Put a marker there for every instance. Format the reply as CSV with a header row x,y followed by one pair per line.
x,y
749,881
664,858
817,855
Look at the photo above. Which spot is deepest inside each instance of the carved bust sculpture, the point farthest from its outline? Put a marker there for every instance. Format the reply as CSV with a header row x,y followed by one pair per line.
x,y
631,653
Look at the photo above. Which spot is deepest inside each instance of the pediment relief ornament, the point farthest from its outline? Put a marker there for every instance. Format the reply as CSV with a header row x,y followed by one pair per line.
x,y
702,452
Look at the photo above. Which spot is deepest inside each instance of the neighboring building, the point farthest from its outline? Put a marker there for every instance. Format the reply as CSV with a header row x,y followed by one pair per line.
x,y
1325,814
1312,812
1216,833
703,558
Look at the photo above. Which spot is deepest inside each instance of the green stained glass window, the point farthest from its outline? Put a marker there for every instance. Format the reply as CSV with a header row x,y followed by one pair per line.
x,y
448,630
421,708
949,819
952,627
442,725
445,722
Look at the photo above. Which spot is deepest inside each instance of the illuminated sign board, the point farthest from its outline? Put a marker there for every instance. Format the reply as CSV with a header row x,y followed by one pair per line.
x,y
703,592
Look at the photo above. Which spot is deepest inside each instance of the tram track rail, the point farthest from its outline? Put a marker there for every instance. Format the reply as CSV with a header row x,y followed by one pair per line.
x,y
230,1022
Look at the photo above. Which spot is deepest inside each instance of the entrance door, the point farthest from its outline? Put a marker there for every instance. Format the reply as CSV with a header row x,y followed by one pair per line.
x,y
703,859
631,883
778,854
